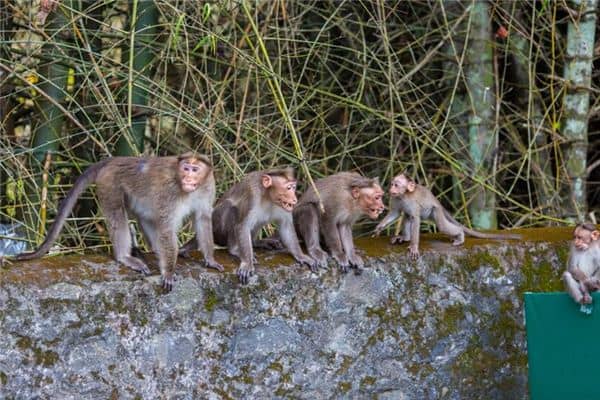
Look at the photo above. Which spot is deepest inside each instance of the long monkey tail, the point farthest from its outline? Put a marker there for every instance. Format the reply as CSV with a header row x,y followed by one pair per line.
x,y
483,235
66,206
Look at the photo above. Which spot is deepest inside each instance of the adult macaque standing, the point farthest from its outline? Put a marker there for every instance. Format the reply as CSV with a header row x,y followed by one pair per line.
x,y
583,266
417,202
260,198
160,192
346,197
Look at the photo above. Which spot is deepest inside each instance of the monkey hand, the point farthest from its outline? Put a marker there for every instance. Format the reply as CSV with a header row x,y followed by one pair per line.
x,y
244,272
312,264
578,274
590,284
357,263
413,251
343,262
377,231
320,257
167,281
214,265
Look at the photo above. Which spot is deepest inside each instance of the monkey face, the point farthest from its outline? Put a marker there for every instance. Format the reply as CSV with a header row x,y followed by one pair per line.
x,y
370,200
192,174
282,192
582,238
400,184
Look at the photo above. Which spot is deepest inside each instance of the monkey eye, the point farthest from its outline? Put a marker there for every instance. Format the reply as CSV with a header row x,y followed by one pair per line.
x,y
191,168
291,187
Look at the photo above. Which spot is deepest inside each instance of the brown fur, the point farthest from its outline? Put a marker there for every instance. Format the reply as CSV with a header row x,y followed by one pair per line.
x,y
149,188
417,202
346,197
246,207
583,266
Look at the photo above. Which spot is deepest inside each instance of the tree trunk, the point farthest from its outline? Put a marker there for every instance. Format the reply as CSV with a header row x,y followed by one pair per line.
x,y
574,128
482,136
144,20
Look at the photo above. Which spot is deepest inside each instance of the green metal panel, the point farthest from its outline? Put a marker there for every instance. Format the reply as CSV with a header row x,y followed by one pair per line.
x,y
563,347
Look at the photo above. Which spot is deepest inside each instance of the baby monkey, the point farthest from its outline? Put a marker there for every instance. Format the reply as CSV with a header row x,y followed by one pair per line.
x,y
417,202
583,266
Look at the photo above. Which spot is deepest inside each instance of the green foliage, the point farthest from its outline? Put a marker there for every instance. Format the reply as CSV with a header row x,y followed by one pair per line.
x,y
321,86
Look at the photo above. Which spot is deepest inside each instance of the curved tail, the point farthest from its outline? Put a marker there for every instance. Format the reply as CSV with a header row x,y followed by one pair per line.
x,y
84,180
482,235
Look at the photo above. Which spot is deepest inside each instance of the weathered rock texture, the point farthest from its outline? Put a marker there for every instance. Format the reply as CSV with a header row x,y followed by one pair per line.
x,y
449,326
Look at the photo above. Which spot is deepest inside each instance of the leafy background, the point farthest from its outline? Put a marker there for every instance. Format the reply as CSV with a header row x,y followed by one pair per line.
x,y
469,97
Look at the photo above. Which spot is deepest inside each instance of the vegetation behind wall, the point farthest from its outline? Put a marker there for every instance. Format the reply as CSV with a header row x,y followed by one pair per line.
x,y
492,104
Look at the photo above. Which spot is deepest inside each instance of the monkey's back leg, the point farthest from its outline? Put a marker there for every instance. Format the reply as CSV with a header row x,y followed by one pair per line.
x,y
448,226
306,221
112,204
224,216
574,288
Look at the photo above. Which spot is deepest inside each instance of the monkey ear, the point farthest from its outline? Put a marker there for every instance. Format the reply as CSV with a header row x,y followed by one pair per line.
x,y
411,186
595,235
266,180
355,192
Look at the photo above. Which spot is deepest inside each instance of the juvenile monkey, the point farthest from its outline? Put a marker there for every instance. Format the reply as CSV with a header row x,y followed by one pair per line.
x,y
346,197
160,192
583,266
261,197
418,202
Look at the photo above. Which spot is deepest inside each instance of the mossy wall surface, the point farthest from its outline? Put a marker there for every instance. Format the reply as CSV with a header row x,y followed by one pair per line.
x,y
448,326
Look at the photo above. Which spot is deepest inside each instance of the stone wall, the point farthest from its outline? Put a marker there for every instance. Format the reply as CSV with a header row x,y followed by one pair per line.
x,y
448,326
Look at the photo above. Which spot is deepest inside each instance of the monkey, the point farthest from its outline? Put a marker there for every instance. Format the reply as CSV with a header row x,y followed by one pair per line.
x,y
160,192
583,266
417,202
260,198
346,197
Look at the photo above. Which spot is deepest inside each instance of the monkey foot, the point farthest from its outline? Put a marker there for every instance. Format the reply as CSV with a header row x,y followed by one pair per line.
x,y
135,264
314,266
244,273
167,283
214,265
586,308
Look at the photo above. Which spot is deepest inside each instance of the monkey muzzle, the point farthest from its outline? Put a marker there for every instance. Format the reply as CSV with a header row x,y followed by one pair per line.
x,y
374,213
189,186
287,205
